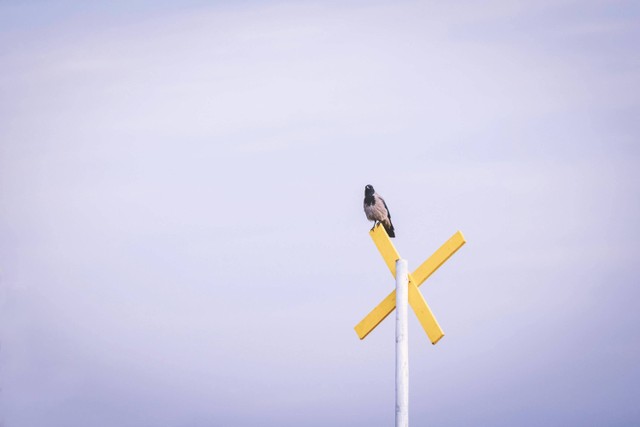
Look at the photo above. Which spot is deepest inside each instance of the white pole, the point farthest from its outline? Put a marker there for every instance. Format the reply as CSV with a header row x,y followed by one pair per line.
x,y
402,344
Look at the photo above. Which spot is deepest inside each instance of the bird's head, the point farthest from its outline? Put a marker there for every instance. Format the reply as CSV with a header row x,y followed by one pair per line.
x,y
368,190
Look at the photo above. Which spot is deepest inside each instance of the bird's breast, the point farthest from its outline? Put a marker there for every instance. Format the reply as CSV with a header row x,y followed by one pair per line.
x,y
374,213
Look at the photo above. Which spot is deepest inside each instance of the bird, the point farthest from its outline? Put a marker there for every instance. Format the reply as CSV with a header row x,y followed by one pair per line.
x,y
377,211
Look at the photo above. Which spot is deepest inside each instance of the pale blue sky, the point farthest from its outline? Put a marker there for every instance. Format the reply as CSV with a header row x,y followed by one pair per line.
x,y
182,241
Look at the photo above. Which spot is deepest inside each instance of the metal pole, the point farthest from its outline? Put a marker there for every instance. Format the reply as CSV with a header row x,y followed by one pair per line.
x,y
402,344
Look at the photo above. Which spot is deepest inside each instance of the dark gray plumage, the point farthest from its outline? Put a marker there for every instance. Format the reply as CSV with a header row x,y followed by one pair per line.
x,y
377,211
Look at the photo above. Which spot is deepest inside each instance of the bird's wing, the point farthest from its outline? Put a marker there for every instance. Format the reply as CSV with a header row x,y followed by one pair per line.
x,y
385,206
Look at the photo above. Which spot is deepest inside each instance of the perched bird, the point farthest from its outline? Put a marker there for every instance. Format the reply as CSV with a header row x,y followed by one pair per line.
x,y
377,211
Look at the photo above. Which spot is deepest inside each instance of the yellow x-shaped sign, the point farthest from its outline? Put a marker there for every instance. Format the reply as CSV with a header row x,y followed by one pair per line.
x,y
416,300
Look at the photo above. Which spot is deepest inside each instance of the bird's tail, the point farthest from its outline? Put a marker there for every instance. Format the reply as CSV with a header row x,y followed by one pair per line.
x,y
389,227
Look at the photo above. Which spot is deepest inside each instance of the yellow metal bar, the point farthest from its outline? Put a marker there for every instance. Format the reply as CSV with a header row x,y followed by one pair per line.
x,y
424,314
418,304
438,258
386,248
390,255
376,316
